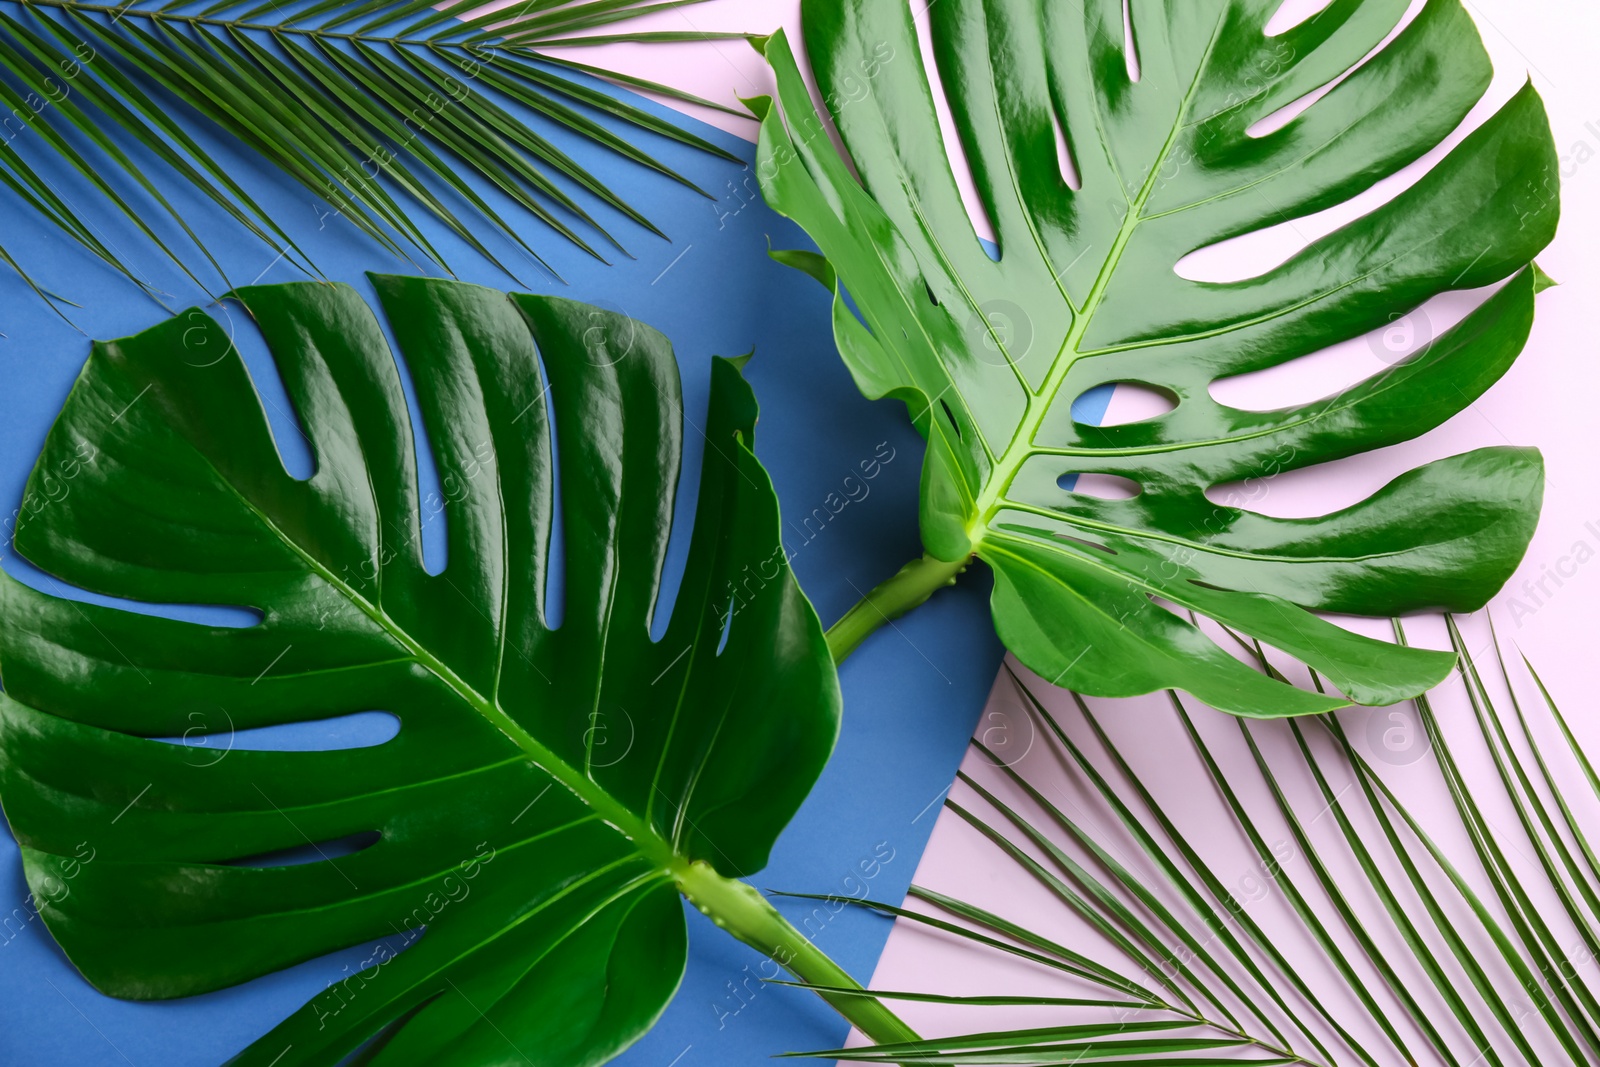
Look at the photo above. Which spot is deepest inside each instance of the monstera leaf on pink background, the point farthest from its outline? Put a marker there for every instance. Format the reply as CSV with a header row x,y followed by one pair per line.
x,y
1542,401
1544,609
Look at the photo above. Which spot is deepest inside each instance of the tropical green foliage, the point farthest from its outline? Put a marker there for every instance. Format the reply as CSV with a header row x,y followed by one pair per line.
x,y
1100,168
375,107
559,777
1424,960
550,787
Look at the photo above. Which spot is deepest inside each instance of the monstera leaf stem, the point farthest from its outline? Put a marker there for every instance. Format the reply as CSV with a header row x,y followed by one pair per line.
x,y
748,915
910,588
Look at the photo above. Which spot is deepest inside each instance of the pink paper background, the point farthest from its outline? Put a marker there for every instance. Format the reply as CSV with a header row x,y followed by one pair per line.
x,y
1543,401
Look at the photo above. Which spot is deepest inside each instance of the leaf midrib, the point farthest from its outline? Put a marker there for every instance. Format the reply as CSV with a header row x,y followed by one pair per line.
x,y
991,499
650,844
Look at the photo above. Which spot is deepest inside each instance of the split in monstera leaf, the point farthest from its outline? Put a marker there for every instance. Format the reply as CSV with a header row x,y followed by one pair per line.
x,y
546,873
1097,181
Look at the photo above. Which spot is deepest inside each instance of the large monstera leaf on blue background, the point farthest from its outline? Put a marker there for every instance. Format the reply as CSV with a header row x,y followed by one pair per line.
x,y
990,353
548,784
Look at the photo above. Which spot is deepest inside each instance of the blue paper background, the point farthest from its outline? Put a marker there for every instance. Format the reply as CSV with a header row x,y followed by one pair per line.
x,y
912,693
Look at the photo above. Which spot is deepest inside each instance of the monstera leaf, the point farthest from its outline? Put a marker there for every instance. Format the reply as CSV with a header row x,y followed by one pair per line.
x,y
549,784
1165,153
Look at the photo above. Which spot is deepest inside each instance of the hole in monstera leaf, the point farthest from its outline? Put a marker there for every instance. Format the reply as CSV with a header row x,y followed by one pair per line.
x,y
229,616
727,623
1309,491
1100,486
1064,161
1130,44
371,959
851,305
1304,380
1242,258
1130,402
431,493
283,420
1069,539
955,152
696,448
1090,406
1286,114
555,586
310,852
932,299
1171,608
1328,372
951,416
211,733
1254,254
1207,585
1292,13
1280,118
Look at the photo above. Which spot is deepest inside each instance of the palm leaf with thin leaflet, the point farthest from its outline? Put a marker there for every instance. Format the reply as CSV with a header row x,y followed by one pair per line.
x,y
1507,987
378,109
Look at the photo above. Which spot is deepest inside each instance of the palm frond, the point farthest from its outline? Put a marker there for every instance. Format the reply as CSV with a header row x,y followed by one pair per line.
x,y
1466,953
378,108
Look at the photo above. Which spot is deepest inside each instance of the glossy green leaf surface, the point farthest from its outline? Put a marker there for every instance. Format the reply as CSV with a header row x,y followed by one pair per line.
x,y
990,354
548,783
